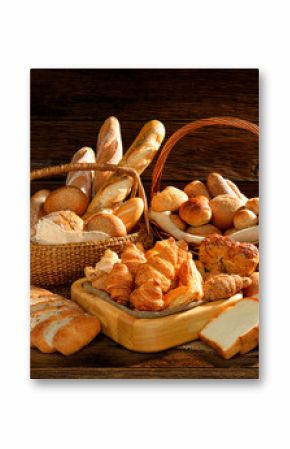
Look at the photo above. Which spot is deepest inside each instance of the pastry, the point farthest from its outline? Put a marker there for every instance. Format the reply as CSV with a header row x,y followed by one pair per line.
x,y
98,274
253,289
196,211
170,198
133,256
66,198
223,255
109,149
119,283
203,230
130,212
253,205
217,185
223,286
82,179
106,222
139,155
196,188
148,296
244,218
223,209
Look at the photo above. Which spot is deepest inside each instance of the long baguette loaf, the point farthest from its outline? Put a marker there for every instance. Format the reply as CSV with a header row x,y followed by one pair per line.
x,y
138,156
82,179
109,149
58,324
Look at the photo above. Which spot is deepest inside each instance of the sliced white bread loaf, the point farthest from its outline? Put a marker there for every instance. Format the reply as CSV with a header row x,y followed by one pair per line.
x,y
235,329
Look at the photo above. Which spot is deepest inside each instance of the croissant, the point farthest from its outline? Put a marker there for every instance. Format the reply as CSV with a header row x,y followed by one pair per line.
x,y
222,286
119,283
161,264
133,256
148,296
190,285
98,274
223,255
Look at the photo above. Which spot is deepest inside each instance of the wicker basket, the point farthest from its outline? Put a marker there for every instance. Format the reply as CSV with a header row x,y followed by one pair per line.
x,y
58,265
178,135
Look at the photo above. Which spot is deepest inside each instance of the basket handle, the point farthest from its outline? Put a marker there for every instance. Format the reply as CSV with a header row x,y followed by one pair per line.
x,y
85,166
190,128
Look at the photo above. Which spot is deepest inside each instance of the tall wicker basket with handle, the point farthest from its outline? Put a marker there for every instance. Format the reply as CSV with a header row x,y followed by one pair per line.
x,y
60,264
177,136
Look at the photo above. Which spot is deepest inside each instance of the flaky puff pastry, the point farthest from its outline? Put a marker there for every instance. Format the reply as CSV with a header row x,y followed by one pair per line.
x,y
133,256
189,288
223,255
161,265
99,273
148,297
119,283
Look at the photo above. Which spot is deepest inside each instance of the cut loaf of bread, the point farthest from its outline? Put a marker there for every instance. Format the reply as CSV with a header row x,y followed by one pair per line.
x,y
235,329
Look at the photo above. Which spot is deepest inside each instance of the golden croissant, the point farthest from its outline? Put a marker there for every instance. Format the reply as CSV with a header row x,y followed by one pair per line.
x,y
98,274
133,256
222,286
119,283
148,296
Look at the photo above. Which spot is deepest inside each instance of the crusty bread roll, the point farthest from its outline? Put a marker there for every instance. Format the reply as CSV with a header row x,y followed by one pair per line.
x,y
109,149
203,230
237,191
66,198
82,179
130,212
36,208
253,205
66,219
196,188
217,185
244,218
170,198
108,223
178,222
224,208
253,289
196,211
139,155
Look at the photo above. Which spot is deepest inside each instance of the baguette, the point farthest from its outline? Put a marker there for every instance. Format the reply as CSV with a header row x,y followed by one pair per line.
x,y
82,179
36,208
138,157
130,212
217,185
109,149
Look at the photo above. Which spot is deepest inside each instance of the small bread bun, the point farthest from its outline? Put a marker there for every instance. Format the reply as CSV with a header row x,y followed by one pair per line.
x,y
224,208
196,188
217,185
170,199
244,218
196,211
178,222
253,289
66,219
66,198
204,230
130,212
108,223
253,205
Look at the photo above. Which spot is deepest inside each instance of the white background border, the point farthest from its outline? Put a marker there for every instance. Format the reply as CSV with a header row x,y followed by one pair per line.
x,y
209,34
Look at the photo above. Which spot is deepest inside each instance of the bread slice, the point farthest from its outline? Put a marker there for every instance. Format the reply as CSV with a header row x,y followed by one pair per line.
x,y
235,329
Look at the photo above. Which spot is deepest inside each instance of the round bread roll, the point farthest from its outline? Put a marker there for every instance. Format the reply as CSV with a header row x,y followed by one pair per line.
x,y
196,188
108,223
196,211
253,205
253,289
170,199
178,222
224,208
66,198
244,218
130,212
204,230
66,219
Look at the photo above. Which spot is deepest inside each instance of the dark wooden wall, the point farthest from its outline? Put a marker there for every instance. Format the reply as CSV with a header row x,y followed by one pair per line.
x,y
69,106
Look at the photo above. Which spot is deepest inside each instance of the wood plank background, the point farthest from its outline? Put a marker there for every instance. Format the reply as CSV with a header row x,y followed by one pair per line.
x,y
67,110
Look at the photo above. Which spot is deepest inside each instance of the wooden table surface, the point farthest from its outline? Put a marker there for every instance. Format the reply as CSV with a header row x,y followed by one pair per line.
x,y
67,109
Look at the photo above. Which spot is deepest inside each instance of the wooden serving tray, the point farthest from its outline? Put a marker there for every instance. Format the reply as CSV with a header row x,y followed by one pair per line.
x,y
146,331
